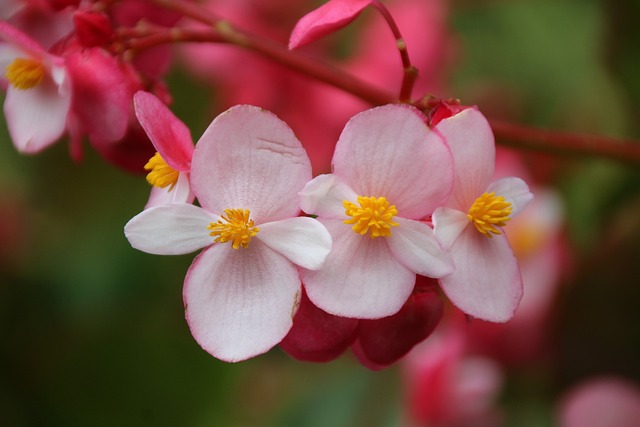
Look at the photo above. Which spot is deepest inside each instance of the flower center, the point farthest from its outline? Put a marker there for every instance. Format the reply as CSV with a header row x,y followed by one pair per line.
x,y
489,211
161,175
25,73
374,215
235,226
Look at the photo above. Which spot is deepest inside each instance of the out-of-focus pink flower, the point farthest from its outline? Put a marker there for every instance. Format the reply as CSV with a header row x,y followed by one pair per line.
x,y
38,91
601,402
246,171
170,166
486,282
447,387
372,205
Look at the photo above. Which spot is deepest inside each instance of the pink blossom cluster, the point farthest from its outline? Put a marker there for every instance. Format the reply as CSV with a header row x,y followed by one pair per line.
x,y
402,201
356,258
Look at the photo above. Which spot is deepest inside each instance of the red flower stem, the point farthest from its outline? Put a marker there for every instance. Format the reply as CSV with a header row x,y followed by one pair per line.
x,y
410,72
522,137
508,134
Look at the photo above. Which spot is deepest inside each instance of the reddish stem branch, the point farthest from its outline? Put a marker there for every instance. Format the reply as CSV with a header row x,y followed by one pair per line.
x,y
523,137
410,72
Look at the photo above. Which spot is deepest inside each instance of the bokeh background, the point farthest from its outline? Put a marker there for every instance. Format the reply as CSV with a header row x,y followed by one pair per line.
x,y
92,332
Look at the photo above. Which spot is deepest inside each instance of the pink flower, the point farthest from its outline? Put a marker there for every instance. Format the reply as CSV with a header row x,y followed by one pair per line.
x,y
242,291
170,166
389,172
447,387
486,282
38,91
601,402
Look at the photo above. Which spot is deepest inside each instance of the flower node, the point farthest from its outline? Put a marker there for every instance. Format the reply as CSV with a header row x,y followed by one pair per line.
x,y
24,73
161,175
374,215
489,211
235,227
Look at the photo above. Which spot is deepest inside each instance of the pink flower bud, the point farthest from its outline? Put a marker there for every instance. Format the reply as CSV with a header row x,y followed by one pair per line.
x,y
92,28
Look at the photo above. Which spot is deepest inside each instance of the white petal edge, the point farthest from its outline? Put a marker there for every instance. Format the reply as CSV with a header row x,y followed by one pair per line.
x,y
448,224
414,245
304,241
515,191
360,279
240,303
324,196
173,229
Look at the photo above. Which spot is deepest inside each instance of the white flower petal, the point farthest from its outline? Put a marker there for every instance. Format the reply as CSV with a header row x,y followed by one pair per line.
x,y
181,193
304,241
239,303
361,278
414,245
173,229
448,224
36,117
324,196
486,283
515,191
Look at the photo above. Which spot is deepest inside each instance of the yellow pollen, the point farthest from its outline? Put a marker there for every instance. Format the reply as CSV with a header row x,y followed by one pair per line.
x,y
25,73
161,175
374,215
489,211
235,226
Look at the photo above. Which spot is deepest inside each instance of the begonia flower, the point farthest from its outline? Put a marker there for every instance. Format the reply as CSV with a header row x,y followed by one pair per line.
x,y
242,291
38,91
169,168
487,283
389,172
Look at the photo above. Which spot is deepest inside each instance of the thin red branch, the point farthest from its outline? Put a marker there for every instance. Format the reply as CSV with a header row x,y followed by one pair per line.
x,y
523,137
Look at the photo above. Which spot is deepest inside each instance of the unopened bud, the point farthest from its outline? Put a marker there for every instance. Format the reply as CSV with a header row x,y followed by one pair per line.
x,y
92,28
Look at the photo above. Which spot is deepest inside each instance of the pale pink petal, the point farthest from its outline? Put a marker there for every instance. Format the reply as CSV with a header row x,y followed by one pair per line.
x,y
601,402
414,245
361,278
250,159
515,191
448,224
324,196
170,229
21,40
304,241
36,117
390,152
168,134
239,303
471,141
486,283
102,98
324,20
181,193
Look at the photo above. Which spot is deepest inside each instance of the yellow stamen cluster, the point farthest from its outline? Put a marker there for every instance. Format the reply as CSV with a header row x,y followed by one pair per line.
x,y
25,73
374,215
161,175
489,211
235,227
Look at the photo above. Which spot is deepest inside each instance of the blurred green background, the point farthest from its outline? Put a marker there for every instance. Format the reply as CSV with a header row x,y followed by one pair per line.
x,y
93,333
